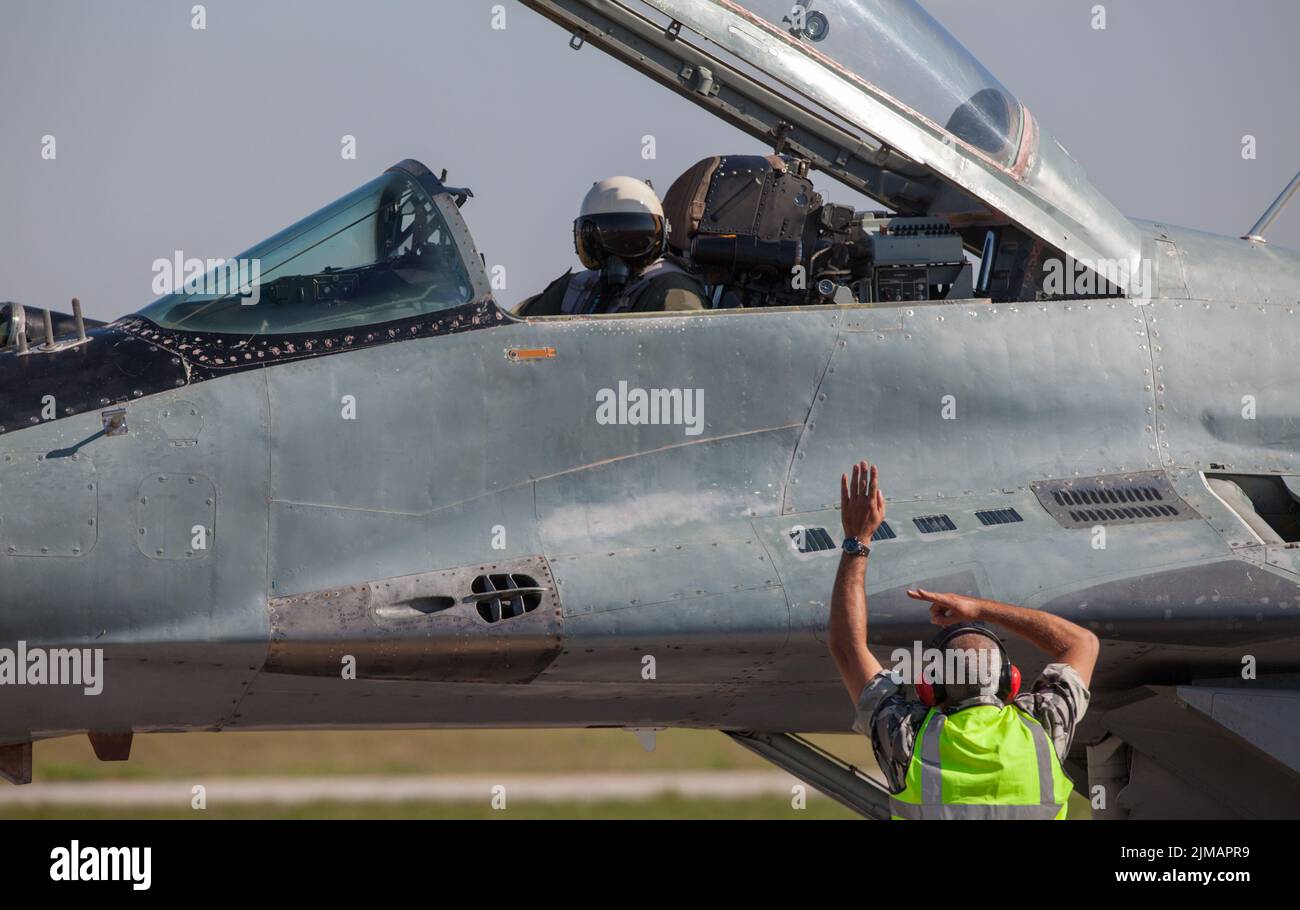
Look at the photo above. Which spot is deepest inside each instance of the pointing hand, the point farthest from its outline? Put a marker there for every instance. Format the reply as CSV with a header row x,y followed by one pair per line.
x,y
946,609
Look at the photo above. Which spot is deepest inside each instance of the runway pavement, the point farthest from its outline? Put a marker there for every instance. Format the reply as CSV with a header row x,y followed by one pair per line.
x,y
407,788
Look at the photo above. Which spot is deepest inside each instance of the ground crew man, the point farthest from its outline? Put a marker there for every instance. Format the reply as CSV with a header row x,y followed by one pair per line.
x,y
970,746
621,237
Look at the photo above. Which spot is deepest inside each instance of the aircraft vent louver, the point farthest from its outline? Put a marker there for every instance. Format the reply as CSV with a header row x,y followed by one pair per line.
x,y
508,605
812,540
1113,500
998,517
933,524
884,532
819,540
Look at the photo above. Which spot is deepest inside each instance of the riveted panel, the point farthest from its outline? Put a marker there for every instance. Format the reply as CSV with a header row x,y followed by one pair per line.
x,y
48,506
1285,557
176,516
1041,391
1172,283
445,626
1225,385
182,422
662,574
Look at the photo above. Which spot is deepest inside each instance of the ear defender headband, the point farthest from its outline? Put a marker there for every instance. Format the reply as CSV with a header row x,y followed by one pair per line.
x,y
932,694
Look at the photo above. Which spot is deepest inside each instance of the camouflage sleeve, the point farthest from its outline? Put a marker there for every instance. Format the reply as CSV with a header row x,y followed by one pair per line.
x,y
1058,701
892,722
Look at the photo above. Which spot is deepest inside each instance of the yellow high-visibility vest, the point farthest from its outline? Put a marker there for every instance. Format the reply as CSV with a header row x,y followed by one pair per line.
x,y
983,762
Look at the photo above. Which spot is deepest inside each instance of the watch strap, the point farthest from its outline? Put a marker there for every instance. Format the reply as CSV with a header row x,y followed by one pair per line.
x,y
855,547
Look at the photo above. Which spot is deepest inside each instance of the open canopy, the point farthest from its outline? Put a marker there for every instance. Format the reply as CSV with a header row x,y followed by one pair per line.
x,y
876,93
894,47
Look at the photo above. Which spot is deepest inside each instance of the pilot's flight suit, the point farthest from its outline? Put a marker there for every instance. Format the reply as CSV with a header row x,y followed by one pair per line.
x,y
662,285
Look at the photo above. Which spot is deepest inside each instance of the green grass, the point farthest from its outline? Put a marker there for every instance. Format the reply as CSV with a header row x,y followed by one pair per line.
x,y
661,807
666,807
162,756
170,756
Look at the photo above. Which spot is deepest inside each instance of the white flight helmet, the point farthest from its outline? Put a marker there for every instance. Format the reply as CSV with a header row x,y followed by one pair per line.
x,y
621,218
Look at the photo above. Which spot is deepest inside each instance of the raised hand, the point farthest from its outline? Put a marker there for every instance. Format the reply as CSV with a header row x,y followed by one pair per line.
x,y
862,505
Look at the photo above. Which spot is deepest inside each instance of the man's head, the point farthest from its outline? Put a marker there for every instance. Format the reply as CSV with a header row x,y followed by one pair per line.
x,y
621,222
972,666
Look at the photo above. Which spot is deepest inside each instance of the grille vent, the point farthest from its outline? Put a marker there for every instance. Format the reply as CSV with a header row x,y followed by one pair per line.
x,y
998,517
1113,500
819,540
519,594
933,524
812,540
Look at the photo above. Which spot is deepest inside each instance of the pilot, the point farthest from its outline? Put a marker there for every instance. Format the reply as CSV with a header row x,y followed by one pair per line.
x,y
621,237
969,746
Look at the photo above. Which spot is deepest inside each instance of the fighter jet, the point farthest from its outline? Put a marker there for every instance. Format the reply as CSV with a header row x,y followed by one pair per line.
x,y
335,483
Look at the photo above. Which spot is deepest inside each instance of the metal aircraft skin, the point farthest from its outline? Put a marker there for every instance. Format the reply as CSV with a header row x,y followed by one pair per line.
x,y
272,529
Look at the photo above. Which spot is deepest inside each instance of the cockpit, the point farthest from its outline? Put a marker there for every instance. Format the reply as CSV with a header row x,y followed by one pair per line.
x,y
392,249
976,200
879,96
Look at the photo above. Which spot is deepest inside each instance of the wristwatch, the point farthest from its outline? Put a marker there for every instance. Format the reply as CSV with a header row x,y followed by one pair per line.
x,y
855,547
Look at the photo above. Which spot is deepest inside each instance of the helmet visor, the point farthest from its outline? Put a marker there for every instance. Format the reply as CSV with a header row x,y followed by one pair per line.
x,y
634,237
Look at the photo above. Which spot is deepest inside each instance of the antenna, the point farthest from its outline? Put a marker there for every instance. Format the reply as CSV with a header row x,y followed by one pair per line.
x,y
49,330
1257,232
19,317
80,320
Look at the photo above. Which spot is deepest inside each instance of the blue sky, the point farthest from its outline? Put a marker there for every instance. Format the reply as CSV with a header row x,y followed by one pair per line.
x,y
206,141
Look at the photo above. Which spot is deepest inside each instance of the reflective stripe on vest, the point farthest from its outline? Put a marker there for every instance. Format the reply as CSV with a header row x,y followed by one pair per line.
x,y
932,805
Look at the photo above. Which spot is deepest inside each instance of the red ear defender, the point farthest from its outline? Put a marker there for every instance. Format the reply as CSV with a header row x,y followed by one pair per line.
x,y
1014,688
925,692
